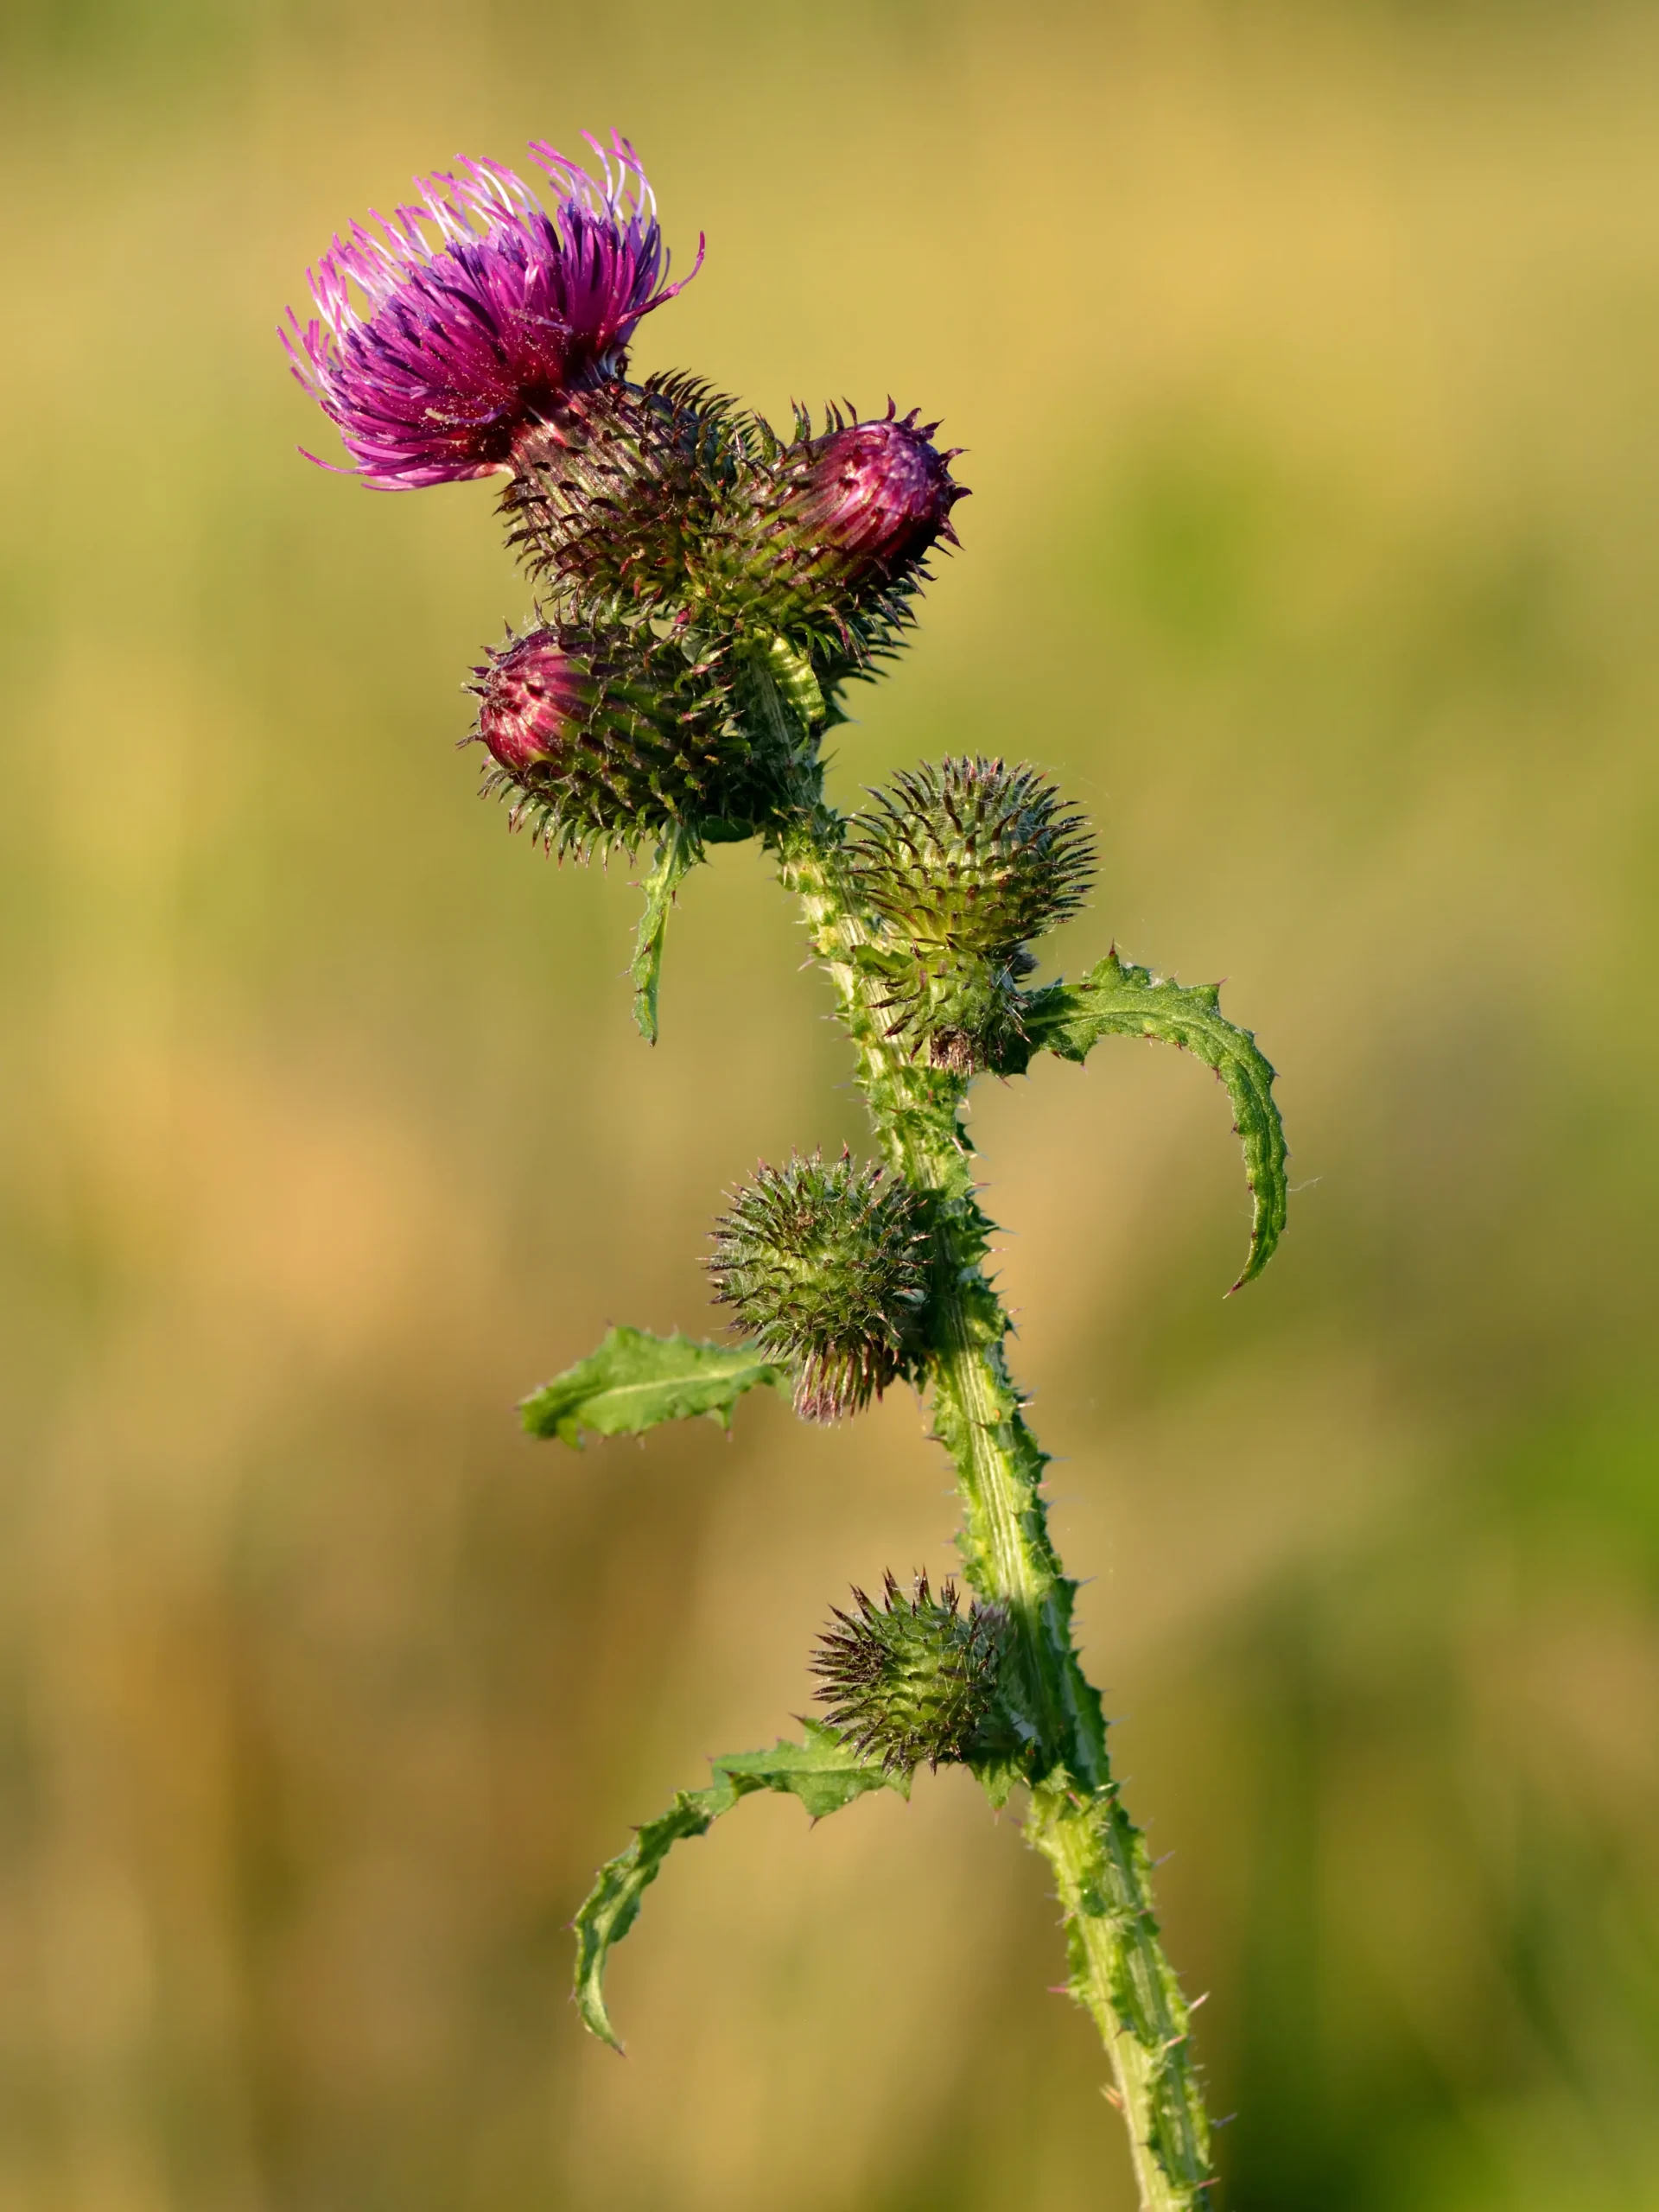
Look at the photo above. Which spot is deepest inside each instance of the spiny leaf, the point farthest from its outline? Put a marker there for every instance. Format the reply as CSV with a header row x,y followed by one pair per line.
x,y
1117,999
821,1771
635,1380
676,857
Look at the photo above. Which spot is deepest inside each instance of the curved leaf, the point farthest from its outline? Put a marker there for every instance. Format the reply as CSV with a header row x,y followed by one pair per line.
x,y
822,1772
1117,999
635,1380
676,857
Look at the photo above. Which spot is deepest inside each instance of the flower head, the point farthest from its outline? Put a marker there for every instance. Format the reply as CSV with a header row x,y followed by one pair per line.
x,y
474,312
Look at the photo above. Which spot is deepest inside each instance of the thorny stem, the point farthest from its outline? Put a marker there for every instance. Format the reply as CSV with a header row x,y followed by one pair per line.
x,y
1102,1870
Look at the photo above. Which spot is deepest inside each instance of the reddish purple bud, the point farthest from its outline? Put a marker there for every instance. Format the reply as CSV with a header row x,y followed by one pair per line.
x,y
882,490
533,699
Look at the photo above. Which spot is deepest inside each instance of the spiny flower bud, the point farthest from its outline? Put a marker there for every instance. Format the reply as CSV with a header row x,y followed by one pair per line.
x,y
972,856
914,1678
614,742
877,493
825,1269
633,496
964,861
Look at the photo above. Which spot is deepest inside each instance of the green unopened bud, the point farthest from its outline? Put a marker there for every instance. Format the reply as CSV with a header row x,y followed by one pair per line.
x,y
914,1677
965,861
972,856
825,1269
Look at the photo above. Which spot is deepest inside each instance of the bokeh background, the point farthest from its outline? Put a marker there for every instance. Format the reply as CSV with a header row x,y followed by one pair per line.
x,y
1308,361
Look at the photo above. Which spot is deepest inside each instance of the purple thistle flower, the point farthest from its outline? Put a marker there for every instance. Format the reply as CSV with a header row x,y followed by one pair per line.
x,y
881,491
431,353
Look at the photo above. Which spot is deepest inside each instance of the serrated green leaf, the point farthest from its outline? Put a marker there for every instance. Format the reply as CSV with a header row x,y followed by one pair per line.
x,y
676,857
1117,999
636,1380
822,1772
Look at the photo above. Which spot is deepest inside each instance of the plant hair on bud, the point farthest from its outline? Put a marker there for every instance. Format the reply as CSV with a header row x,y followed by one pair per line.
x,y
825,1267
914,1678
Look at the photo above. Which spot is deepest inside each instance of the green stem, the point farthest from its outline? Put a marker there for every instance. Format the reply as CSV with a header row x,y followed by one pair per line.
x,y
1102,1872
1119,1972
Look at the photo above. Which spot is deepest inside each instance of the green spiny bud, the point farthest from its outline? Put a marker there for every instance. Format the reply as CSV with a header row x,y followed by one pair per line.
x,y
825,1269
636,499
972,856
964,861
614,742
914,1678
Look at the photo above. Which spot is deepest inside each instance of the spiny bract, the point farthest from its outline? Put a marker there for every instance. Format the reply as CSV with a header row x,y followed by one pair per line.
x,y
825,1265
913,1678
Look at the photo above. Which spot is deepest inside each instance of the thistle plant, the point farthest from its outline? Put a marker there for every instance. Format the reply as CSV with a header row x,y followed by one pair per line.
x,y
703,588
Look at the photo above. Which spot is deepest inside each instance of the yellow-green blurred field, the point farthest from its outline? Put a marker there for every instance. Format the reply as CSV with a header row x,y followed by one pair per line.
x,y
1308,361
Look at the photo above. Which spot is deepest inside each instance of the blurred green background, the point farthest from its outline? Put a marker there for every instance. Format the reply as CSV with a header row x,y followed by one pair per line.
x,y
1308,361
